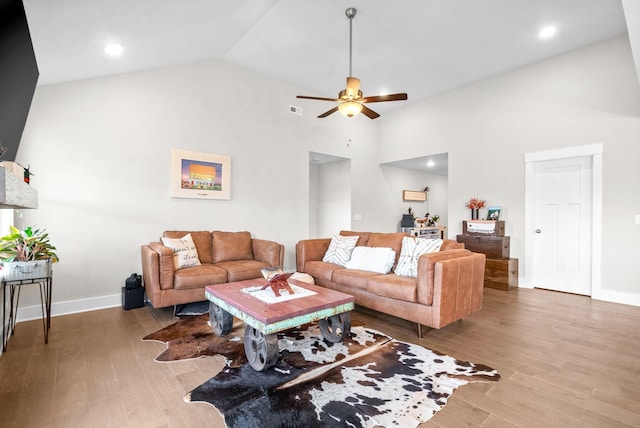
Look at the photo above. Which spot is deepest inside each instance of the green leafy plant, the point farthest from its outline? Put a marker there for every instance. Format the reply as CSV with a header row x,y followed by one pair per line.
x,y
26,245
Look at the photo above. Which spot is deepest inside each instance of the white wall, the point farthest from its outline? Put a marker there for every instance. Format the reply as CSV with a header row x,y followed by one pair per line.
x,y
587,96
334,198
100,152
399,179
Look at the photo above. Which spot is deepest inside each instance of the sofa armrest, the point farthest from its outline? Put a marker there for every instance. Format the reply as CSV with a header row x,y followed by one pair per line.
x,y
158,266
458,288
426,269
310,250
269,252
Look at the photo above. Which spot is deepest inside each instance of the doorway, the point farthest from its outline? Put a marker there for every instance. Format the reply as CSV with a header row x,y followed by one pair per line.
x,y
563,204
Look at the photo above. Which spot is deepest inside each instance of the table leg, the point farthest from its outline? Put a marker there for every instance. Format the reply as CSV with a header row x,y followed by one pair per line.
x,y
44,305
336,327
261,350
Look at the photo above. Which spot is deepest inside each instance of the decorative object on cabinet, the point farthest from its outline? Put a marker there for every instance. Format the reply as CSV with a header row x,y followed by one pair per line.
x,y
474,204
493,213
483,228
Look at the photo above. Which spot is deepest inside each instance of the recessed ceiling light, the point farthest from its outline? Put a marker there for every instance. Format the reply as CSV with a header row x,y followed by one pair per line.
x,y
113,49
431,163
547,32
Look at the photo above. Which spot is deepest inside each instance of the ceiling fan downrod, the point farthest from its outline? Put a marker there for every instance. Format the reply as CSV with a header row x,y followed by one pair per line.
x,y
351,13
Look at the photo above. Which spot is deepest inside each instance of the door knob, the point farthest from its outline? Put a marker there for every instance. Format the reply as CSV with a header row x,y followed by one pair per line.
x,y
538,231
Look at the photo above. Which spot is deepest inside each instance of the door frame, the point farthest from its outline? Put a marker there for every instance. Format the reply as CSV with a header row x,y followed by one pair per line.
x,y
595,151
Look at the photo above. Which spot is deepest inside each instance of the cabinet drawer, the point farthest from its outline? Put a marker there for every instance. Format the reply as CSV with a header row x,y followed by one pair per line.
x,y
501,273
494,247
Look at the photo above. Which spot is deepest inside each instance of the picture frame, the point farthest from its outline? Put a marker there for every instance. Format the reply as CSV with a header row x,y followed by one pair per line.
x,y
414,195
198,175
493,213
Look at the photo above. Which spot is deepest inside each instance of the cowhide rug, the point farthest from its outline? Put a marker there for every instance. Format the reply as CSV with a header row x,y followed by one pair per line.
x,y
367,380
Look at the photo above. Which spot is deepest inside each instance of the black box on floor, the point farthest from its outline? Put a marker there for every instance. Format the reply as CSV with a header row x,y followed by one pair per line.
x,y
132,297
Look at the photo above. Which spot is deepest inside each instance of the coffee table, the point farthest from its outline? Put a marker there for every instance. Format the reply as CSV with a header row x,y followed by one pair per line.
x,y
264,320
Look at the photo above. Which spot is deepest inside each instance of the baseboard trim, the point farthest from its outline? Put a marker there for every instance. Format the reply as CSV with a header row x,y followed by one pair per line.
x,y
28,313
69,307
618,297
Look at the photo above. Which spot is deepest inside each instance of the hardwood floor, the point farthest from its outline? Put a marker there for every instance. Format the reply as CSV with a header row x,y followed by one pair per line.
x,y
565,361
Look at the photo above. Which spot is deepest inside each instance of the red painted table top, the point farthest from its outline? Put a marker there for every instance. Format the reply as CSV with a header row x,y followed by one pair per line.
x,y
270,313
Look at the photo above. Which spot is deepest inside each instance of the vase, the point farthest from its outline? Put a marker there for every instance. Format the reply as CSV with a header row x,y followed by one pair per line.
x,y
474,213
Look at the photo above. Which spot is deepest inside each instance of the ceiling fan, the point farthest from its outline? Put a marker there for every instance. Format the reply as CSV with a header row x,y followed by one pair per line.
x,y
350,100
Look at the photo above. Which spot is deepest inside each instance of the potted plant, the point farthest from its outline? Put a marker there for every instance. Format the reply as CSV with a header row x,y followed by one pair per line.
x,y
26,253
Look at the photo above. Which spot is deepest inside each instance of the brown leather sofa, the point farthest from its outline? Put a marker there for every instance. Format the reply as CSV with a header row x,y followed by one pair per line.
x,y
224,257
448,287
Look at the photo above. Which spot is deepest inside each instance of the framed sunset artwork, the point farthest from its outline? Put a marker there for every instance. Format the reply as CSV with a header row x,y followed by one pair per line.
x,y
198,175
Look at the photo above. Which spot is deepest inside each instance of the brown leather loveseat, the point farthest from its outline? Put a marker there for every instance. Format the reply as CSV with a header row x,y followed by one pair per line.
x,y
448,286
223,257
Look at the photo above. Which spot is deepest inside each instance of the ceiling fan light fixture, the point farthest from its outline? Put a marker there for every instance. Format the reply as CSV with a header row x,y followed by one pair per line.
x,y
350,108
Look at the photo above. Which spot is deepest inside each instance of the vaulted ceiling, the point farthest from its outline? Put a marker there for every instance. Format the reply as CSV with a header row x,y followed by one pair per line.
x,y
424,47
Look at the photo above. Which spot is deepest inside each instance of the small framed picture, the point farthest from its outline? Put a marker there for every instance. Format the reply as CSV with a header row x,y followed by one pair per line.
x,y
200,175
493,213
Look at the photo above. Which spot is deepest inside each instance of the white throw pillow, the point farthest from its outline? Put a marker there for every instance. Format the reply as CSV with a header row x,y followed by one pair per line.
x,y
184,251
340,248
412,249
373,259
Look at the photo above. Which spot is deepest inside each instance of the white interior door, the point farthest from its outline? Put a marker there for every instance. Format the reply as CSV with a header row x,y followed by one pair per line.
x,y
563,225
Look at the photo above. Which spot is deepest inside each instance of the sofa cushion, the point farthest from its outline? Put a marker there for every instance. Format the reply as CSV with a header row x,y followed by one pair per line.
x,y
412,248
201,238
394,287
199,277
451,244
340,248
374,259
229,246
184,251
391,240
352,277
239,270
318,269
363,237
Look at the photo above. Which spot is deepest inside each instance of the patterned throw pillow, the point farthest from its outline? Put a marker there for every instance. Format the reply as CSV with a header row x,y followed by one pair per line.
x,y
340,248
184,251
372,259
412,249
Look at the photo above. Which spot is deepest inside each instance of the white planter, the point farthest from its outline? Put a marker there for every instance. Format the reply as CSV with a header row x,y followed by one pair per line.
x,y
15,271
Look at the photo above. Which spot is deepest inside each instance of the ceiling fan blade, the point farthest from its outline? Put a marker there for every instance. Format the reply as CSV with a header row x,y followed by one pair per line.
x,y
369,113
318,98
380,98
327,113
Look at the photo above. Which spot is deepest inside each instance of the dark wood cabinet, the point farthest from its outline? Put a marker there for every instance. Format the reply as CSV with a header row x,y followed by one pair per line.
x,y
494,247
501,273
